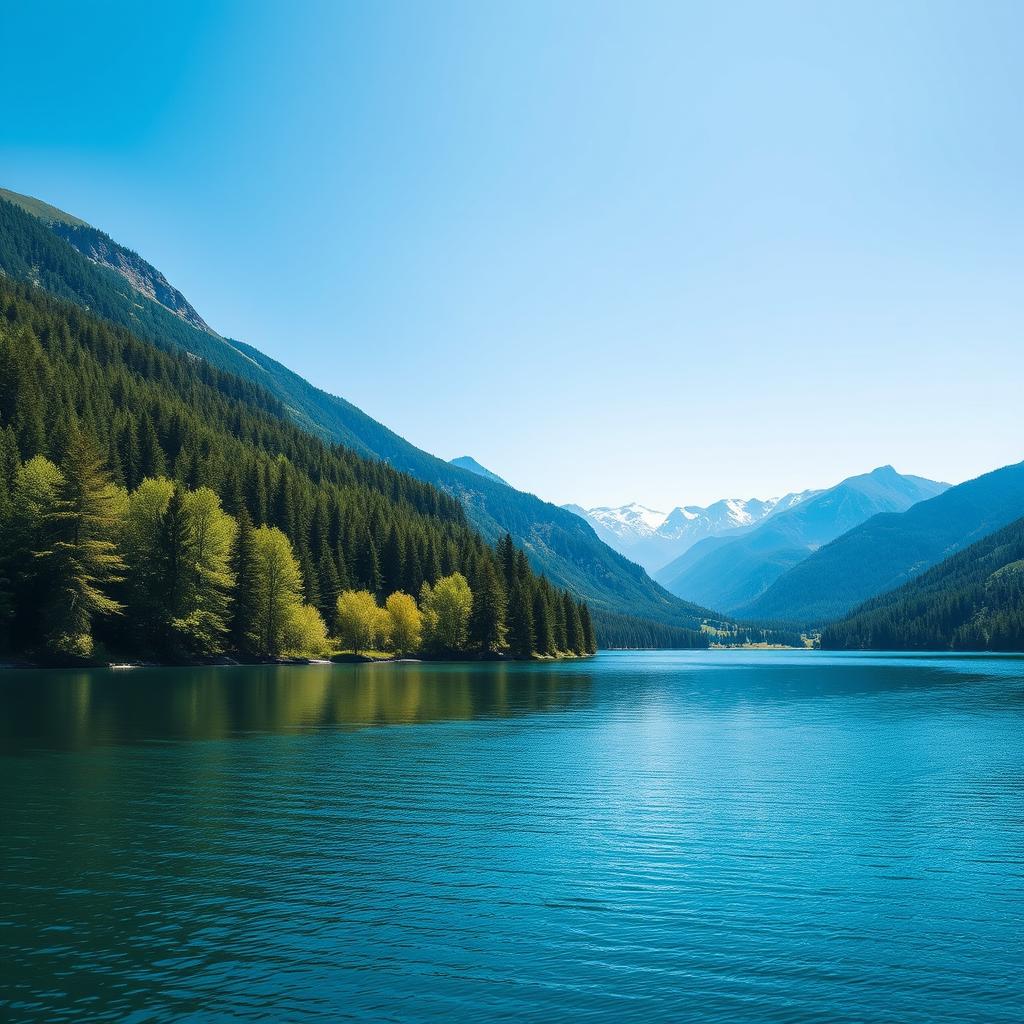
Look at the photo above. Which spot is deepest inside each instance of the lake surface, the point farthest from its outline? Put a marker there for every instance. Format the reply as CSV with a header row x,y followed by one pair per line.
x,y
698,836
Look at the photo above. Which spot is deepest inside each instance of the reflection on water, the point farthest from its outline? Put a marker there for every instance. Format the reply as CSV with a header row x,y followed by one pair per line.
x,y
77,709
705,836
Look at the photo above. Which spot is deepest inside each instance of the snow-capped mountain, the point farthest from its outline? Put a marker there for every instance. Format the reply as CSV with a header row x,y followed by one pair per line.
x,y
653,538
632,520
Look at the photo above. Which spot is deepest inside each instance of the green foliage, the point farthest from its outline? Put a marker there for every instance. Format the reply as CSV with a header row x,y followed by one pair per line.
x,y
196,570
446,610
406,623
630,633
59,258
306,633
277,592
79,555
360,622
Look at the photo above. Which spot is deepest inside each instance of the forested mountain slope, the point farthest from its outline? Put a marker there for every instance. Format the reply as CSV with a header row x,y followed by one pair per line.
x,y
890,549
729,573
972,601
40,249
352,523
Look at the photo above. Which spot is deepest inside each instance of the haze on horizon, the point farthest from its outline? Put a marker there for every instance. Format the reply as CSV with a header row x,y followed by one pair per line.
x,y
650,252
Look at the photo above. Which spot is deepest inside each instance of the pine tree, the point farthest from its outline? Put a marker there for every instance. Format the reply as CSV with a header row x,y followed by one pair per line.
x,y
589,636
520,621
81,557
169,566
242,624
367,565
391,563
543,627
487,619
330,587
573,626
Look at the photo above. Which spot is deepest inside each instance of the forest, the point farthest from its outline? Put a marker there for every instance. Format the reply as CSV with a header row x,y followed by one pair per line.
x,y
973,601
153,506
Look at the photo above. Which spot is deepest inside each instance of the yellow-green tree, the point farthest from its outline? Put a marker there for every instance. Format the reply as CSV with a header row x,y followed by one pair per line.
x,y
359,621
446,609
177,546
209,536
33,498
405,623
277,586
306,635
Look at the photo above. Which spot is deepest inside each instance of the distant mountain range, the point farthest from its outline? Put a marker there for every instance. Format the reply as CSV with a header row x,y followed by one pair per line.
x,y
888,550
653,539
63,255
730,572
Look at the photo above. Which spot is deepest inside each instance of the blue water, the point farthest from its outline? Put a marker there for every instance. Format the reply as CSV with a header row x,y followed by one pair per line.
x,y
705,836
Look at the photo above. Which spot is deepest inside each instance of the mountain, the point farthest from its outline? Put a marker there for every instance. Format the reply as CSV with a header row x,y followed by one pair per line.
x,y
732,572
116,415
87,268
888,550
973,600
653,539
468,462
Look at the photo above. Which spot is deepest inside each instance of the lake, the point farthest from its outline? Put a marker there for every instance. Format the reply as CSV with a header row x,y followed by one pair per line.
x,y
662,836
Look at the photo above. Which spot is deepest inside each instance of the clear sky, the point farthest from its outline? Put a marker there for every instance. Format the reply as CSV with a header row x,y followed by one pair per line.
x,y
654,252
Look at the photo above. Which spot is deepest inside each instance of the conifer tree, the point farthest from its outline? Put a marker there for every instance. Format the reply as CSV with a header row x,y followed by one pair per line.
x,y
81,557
242,624
589,637
487,628
520,621
391,562
330,587
543,627
573,626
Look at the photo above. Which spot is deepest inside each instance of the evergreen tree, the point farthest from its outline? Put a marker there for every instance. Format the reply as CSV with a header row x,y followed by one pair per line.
x,y
573,626
487,622
169,566
242,624
520,621
391,562
82,559
543,626
589,636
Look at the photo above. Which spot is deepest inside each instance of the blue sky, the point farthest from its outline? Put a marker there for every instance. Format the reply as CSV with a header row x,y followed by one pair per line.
x,y
661,252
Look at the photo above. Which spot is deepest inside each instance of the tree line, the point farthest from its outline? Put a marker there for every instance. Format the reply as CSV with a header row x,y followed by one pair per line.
x,y
153,503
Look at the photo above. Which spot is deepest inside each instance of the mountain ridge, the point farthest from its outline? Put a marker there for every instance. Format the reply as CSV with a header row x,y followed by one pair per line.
x,y
557,542
889,549
654,539
731,572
